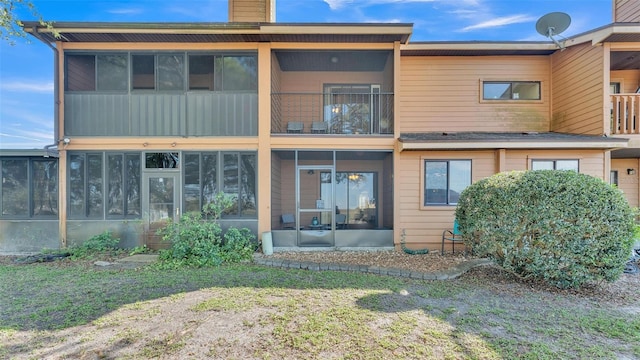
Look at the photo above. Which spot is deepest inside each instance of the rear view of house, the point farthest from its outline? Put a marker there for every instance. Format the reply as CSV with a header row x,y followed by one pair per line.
x,y
326,135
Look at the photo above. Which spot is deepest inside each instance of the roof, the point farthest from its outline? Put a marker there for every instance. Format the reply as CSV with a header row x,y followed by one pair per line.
x,y
478,48
221,32
506,140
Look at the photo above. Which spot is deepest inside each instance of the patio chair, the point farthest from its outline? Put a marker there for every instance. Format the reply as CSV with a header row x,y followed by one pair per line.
x,y
318,127
454,235
295,127
288,221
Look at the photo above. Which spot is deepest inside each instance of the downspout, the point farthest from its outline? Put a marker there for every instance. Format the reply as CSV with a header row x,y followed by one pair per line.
x,y
56,97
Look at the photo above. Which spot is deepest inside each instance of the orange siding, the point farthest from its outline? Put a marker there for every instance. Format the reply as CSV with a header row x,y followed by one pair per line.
x,y
629,80
443,94
626,11
424,227
591,162
251,11
629,184
578,90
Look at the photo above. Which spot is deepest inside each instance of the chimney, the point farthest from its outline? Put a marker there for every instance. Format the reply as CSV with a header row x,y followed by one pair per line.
x,y
252,10
626,11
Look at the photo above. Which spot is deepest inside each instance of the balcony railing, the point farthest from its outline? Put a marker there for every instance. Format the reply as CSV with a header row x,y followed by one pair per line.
x,y
332,113
625,113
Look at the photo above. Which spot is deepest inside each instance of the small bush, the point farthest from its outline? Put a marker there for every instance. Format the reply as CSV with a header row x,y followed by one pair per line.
x,y
96,244
561,227
197,241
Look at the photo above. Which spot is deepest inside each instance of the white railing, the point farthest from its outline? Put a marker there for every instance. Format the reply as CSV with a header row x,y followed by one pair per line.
x,y
625,114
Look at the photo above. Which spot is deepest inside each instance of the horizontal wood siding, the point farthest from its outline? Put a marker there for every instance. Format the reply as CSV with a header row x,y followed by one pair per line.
x,y
313,81
249,10
629,80
626,182
424,227
444,94
578,90
626,11
591,162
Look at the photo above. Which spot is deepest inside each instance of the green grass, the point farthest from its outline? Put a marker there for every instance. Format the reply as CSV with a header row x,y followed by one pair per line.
x,y
299,314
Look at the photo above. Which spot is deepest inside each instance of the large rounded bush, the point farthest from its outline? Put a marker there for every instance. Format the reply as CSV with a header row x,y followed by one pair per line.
x,y
561,227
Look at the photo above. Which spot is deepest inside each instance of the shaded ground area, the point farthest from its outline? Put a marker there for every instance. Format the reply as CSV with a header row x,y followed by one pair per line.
x,y
78,310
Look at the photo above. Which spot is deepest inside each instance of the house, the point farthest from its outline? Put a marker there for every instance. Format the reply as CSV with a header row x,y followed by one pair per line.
x,y
306,124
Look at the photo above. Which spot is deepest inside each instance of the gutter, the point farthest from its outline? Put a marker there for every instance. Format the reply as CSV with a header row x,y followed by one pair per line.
x,y
48,152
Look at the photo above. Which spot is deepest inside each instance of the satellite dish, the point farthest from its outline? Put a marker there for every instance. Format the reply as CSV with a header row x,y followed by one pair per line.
x,y
553,24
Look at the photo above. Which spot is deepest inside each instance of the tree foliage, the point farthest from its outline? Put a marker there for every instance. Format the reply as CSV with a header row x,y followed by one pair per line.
x,y
561,227
11,25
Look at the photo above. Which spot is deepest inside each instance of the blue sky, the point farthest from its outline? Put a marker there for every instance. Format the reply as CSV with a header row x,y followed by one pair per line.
x,y
26,69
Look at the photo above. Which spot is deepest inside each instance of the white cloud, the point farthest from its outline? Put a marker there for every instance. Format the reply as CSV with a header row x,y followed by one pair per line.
x,y
125,11
22,86
500,21
338,4
13,136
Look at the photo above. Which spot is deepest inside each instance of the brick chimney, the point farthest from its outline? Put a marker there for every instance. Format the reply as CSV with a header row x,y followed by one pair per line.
x,y
252,10
626,11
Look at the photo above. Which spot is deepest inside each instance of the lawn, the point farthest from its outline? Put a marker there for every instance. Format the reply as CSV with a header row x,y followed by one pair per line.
x,y
76,310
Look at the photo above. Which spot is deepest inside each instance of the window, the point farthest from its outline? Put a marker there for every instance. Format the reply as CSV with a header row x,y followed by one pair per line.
x,y
239,181
511,90
123,185
104,180
613,177
236,172
29,188
106,72
554,165
162,72
223,72
444,180
200,180
85,185
355,196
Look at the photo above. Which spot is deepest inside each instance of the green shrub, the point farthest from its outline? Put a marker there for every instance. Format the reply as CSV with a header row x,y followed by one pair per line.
x,y
561,227
196,240
96,244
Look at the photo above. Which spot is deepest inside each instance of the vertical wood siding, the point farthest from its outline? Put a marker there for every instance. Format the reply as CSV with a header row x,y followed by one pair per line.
x,y
193,114
626,11
444,94
578,89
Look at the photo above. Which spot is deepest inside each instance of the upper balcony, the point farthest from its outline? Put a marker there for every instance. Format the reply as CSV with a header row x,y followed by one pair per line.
x,y
625,113
332,92
347,113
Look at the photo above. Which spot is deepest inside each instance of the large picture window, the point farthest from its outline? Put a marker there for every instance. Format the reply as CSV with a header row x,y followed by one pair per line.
x,y
444,180
511,90
29,188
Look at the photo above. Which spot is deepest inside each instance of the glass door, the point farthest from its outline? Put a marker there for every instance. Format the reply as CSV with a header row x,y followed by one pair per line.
x,y
316,210
160,203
